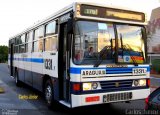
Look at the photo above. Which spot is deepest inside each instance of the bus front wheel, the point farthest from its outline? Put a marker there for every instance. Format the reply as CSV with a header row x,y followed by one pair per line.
x,y
49,93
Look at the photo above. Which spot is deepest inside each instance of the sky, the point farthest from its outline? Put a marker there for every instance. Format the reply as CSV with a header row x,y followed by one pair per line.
x,y
17,15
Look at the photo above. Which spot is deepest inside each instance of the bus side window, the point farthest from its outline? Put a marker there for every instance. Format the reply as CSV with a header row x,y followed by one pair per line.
x,y
40,45
51,39
21,48
38,40
50,28
29,41
51,43
35,46
16,49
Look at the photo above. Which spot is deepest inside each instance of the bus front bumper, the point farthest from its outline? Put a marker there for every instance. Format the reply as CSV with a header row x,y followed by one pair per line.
x,y
101,98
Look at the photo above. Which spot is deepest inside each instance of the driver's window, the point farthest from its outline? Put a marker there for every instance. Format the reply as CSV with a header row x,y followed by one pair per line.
x,y
91,38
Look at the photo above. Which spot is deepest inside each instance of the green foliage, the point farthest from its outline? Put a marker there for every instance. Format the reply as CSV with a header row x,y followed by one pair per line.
x,y
156,65
3,54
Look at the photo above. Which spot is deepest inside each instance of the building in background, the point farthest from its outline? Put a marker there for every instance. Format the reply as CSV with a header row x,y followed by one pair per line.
x,y
154,41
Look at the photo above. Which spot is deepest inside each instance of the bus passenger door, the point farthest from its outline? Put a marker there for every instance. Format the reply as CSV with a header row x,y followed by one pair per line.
x,y
63,64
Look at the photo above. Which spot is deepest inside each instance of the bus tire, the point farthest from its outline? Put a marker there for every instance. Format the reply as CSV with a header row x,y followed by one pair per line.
x,y
49,97
17,82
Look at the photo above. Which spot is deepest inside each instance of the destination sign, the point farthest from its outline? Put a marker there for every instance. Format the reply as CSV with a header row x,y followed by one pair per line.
x,y
91,11
124,15
111,13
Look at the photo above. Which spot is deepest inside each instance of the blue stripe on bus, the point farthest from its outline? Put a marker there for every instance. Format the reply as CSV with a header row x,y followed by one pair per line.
x,y
36,60
74,70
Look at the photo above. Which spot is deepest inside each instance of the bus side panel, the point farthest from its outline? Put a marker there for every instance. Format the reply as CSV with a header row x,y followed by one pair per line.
x,y
17,66
50,69
28,77
28,70
37,81
37,69
50,66
21,74
21,68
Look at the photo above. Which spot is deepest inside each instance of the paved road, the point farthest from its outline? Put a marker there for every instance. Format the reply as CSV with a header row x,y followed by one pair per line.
x,y
10,101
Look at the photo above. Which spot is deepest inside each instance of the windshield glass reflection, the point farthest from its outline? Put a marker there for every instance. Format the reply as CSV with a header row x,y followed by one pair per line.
x,y
96,41
90,39
130,44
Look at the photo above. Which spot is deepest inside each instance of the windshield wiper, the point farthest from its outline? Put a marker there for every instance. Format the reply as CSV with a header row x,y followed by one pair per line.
x,y
129,52
101,56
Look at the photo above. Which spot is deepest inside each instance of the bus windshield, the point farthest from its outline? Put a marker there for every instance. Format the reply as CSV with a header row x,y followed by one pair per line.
x,y
131,47
96,41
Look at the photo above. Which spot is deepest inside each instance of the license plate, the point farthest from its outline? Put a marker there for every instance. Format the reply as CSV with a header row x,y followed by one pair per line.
x,y
139,71
117,97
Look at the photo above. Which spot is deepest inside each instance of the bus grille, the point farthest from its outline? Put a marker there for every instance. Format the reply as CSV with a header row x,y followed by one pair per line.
x,y
117,97
113,85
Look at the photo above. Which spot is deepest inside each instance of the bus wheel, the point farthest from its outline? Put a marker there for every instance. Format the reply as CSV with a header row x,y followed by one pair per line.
x,y
18,83
49,93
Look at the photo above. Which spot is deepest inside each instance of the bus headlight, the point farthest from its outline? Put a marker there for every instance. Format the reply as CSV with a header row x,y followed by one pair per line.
x,y
87,86
135,83
94,85
141,82
91,86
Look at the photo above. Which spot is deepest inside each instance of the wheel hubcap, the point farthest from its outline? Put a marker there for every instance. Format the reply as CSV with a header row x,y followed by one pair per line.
x,y
48,94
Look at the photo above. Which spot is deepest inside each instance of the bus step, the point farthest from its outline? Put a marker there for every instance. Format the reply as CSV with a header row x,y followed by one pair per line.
x,y
65,103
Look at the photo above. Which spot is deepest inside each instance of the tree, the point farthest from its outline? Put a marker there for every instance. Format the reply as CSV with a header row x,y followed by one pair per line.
x,y
3,53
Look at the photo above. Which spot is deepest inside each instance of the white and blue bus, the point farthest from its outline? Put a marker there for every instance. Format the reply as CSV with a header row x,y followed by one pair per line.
x,y
85,54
